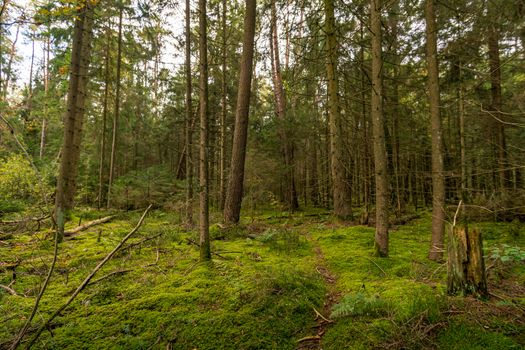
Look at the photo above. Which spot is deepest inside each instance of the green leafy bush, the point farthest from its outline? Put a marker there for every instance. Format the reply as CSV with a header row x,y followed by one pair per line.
x,y
18,180
10,206
507,253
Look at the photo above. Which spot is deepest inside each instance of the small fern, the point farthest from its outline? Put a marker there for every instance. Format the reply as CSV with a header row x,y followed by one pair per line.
x,y
359,304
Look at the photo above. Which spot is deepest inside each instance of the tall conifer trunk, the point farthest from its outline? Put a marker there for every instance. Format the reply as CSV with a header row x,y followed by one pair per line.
x,y
73,120
341,196
232,205
378,130
438,181
46,89
104,121
204,234
117,111
287,149
188,122
224,107
496,103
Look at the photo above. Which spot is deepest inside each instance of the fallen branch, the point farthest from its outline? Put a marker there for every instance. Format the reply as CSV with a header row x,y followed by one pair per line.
x,y
87,280
10,290
379,267
311,337
43,288
318,314
131,245
88,225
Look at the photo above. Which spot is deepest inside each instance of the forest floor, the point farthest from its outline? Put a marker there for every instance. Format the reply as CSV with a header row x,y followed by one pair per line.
x,y
277,281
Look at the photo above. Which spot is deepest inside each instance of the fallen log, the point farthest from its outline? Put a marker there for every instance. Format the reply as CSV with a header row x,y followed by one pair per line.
x,y
88,225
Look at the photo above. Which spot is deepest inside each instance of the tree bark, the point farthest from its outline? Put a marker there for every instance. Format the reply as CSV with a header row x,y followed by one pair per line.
x,y
287,149
438,181
78,79
395,165
466,266
204,234
104,121
188,122
496,103
46,89
232,207
113,156
341,197
462,142
31,66
378,125
224,108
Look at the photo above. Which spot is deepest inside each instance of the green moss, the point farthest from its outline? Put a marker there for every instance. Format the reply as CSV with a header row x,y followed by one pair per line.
x,y
258,293
460,335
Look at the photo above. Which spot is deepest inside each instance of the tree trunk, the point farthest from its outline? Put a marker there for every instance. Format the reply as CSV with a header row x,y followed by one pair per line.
x,y
394,24
290,194
46,89
31,66
438,181
78,78
466,267
496,104
204,234
224,107
188,122
365,173
341,197
232,207
378,130
113,156
104,121
462,143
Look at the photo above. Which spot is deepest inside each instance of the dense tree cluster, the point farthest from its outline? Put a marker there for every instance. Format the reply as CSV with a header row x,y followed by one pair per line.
x,y
362,107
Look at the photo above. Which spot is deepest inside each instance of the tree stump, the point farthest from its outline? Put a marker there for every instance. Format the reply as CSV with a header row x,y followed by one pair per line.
x,y
466,267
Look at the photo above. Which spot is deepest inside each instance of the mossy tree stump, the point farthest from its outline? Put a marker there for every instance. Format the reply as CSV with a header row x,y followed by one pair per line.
x,y
466,267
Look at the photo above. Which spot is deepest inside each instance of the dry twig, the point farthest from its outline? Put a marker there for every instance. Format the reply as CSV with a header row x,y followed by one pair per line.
x,y
86,280
10,290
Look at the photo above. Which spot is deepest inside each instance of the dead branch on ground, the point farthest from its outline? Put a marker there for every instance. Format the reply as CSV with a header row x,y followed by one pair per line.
x,y
88,225
84,283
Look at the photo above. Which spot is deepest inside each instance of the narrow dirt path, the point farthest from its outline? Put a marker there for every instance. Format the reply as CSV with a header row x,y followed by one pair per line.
x,y
314,341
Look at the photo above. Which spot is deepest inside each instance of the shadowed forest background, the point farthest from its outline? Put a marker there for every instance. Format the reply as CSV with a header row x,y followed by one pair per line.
x,y
271,175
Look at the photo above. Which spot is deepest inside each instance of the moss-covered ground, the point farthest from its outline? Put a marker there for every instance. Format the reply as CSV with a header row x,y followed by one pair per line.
x,y
262,289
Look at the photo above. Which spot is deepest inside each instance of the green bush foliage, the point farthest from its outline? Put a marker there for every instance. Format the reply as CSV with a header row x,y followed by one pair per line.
x,y
19,182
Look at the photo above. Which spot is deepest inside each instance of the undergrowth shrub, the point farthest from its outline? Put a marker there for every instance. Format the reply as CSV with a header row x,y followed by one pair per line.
x,y
506,253
282,239
10,206
359,304
19,184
